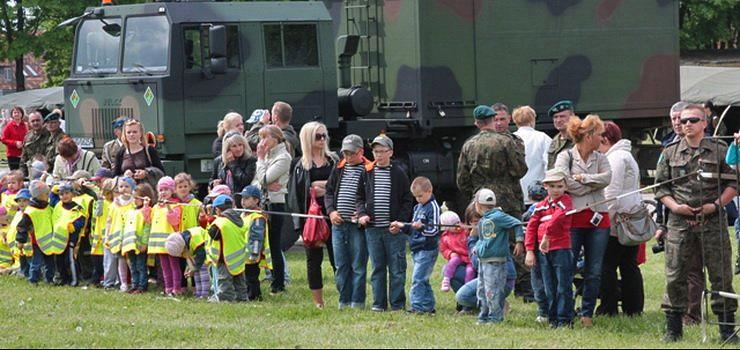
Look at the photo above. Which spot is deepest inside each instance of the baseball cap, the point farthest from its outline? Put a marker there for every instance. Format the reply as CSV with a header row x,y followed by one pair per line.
x,y
251,191
223,201
382,140
352,143
486,197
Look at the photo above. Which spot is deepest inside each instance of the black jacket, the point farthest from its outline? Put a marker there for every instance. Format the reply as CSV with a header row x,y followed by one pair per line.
x,y
299,189
152,159
332,185
242,170
402,201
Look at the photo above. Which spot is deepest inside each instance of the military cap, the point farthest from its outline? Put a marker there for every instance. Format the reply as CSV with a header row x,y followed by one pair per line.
x,y
118,123
483,112
382,140
52,117
564,105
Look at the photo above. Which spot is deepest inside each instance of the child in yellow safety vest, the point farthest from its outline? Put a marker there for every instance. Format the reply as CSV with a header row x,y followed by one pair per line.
x,y
257,237
137,226
226,251
101,212
190,244
184,186
85,196
13,184
20,256
6,255
68,220
35,231
117,267
166,218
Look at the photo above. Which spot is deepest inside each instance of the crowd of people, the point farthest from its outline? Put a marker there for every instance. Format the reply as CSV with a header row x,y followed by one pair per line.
x,y
542,212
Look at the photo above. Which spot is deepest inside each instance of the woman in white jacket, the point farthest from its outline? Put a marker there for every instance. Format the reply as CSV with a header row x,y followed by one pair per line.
x,y
273,172
625,178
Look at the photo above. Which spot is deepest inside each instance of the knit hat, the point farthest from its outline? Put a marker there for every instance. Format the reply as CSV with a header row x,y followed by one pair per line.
x,y
38,188
37,169
166,183
129,181
449,218
175,244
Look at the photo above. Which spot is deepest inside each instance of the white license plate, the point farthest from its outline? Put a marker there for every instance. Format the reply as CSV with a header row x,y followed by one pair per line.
x,y
84,142
206,166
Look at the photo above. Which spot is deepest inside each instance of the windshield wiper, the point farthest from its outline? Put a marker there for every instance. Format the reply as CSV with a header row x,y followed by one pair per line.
x,y
142,69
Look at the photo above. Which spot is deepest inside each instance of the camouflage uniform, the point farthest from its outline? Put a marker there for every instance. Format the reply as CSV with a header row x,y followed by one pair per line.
x,y
34,143
496,161
559,144
51,148
110,150
710,238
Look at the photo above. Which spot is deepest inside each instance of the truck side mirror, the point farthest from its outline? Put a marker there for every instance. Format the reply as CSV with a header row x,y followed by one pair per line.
x,y
217,41
218,65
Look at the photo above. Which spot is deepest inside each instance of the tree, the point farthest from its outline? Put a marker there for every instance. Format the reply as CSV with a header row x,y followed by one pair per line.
x,y
709,24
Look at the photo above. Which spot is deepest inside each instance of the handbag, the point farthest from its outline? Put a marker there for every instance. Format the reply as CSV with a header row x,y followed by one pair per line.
x,y
635,228
315,231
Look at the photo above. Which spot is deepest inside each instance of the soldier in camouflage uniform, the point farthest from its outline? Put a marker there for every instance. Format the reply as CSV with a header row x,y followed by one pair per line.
x,y
35,141
53,125
560,113
693,224
112,147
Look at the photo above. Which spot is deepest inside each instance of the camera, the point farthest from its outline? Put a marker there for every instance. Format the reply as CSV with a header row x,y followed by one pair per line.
x,y
659,247
596,219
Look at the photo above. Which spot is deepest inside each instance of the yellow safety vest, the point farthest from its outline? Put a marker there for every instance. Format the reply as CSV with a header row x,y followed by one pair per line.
x,y
161,229
265,259
6,257
133,232
49,242
98,230
190,214
230,247
8,201
13,233
115,232
86,202
63,220
198,237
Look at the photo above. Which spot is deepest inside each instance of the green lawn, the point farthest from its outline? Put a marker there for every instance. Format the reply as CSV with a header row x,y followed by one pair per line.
x,y
46,316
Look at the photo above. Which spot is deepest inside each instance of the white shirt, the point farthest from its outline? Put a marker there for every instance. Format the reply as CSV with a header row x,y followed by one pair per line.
x,y
536,144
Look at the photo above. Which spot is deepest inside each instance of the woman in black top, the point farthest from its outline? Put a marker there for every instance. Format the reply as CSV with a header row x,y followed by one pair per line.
x,y
137,159
235,167
311,172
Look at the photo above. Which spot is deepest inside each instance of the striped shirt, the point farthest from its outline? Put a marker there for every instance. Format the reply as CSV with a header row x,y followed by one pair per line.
x,y
347,196
382,197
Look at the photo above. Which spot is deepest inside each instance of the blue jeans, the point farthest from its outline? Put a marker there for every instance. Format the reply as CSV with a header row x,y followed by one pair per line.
x,y
37,261
421,293
350,256
594,242
139,272
557,273
467,294
538,287
491,287
388,255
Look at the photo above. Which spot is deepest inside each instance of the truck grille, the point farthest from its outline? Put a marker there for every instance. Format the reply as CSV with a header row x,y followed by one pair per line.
x,y
102,118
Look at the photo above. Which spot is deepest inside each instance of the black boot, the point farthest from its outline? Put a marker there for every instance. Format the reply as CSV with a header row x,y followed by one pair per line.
x,y
727,328
674,327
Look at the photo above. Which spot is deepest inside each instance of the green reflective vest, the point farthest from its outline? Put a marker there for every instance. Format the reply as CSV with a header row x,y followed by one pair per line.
x,y
63,220
230,249
49,243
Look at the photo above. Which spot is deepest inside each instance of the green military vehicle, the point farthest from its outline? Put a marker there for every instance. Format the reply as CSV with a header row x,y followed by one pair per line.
x,y
413,69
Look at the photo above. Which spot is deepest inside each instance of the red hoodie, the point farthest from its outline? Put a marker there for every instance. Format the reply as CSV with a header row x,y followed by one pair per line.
x,y
13,133
453,241
557,228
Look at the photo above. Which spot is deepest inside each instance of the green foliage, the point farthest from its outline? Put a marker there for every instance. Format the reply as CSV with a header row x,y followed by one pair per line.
x,y
708,24
46,316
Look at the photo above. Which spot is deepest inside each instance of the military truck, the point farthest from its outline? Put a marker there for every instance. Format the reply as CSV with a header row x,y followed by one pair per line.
x,y
412,69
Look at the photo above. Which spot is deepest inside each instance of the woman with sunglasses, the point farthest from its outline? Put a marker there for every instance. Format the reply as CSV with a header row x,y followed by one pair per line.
x,y
310,172
235,167
588,174
137,159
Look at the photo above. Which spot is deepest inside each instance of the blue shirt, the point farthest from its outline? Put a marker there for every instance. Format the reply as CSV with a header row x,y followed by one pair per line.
x,y
428,237
493,241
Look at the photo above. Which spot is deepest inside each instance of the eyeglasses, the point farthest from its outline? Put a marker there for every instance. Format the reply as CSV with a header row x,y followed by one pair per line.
x,y
693,120
381,151
320,137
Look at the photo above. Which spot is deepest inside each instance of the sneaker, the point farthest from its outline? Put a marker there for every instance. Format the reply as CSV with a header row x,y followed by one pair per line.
x,y
445,285
541,319
482,322
377,309
124,288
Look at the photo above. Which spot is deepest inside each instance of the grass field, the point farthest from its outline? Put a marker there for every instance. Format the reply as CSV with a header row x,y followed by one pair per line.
x,y
47,316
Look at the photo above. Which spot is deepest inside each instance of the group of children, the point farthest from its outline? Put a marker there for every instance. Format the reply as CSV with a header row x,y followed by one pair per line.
x,y
110,231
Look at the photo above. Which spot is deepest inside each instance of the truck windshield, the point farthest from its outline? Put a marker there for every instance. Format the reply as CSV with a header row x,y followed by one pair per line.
x,y
98,46
146,44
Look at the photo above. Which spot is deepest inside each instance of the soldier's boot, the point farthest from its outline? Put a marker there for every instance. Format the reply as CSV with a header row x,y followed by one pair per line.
x,y
727,328
674,327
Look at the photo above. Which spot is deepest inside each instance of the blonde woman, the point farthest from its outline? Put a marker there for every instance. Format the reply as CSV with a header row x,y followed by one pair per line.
x,y
273,171
310,172
137,159
588,175
235,167
232,122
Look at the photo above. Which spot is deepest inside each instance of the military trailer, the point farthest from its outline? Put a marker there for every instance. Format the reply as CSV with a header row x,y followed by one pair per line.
x,y
412,69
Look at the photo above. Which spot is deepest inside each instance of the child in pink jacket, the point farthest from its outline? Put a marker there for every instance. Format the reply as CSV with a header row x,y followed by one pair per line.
x,y
454,248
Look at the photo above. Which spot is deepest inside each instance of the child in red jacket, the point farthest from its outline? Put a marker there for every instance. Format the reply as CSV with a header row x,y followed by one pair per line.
x,y
454,248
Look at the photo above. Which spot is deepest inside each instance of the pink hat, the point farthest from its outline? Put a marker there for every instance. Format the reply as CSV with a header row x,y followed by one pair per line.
x,y
166,183
449,218
219,190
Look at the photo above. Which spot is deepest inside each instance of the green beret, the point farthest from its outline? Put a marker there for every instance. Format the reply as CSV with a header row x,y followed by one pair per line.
x,y
483,112
51,117
564,105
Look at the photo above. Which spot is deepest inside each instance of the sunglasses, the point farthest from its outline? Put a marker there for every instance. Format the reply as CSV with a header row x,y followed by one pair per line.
x,y
320,137
693,120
